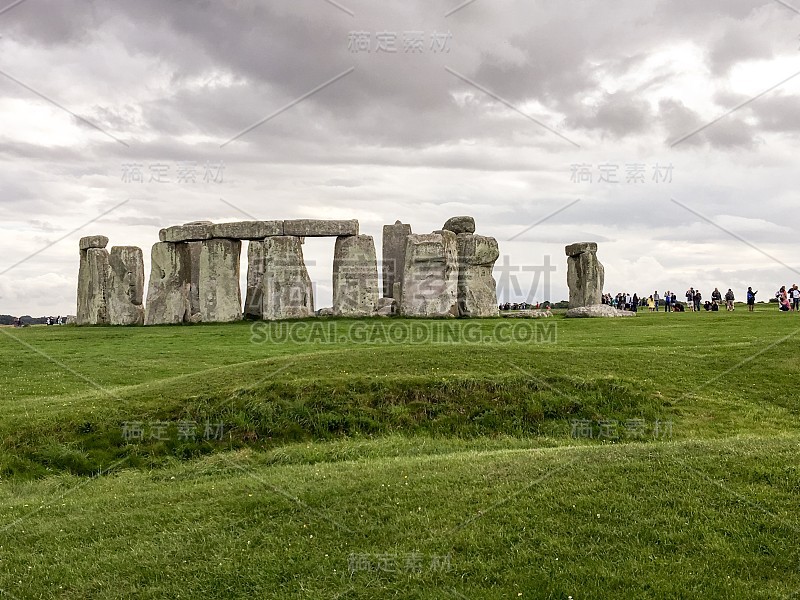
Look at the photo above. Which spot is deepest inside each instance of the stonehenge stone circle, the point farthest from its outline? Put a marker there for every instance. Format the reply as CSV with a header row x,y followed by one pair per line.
x,y
460,225
218,284
168,288
585,275
125,286
477,289
430,276
394,256
194,273
93,282
355,276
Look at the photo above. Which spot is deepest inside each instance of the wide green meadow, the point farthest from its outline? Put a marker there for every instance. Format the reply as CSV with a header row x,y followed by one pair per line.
x,y
653,457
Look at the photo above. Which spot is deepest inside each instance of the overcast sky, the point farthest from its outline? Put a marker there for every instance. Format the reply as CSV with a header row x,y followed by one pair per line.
x,y
503,110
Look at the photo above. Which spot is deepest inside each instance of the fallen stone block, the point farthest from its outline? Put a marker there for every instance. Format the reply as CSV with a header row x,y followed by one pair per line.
x,y
597,310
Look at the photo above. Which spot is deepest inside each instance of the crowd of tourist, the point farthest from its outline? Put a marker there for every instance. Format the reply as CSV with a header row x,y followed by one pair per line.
x,y
692,300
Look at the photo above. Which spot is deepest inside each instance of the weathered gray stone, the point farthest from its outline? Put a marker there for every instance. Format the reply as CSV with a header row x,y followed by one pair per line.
x,y
194,281
394,255
430,276
477,289
386,307
325,312
256,264
247,230
597,310
355,276
580,247
93,287
460,225
319,228
220,296
93,241
585,275
196,231
168,287
287,292
528,314
125,286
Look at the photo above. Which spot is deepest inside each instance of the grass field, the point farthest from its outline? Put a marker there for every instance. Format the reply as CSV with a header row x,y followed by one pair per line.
x,y
654,457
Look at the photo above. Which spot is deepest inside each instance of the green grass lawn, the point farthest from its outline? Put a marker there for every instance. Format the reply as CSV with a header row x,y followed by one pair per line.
x,y
404,459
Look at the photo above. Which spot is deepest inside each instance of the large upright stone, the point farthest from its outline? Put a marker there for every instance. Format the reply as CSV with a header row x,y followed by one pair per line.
x,y
220,296
194,280
585,275
394,256
168,288
92,285
256,264
477,289
430,276
319,228
355,276
286,287
125,286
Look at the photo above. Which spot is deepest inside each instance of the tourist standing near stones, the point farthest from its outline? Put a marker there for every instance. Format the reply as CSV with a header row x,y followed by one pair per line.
x,y
751,299
667,301
656,299
729,298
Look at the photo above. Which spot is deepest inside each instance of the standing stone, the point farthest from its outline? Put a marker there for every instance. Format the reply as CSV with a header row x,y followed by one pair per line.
x,y
194,280
286,287
477,289
430,276
168,289
93,282
585,275
256,264
394,256
125,286
218,283
355,276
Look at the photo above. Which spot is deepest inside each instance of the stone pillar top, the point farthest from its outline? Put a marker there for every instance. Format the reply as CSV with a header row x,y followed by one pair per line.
x,y
462,224
93,241
580,248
